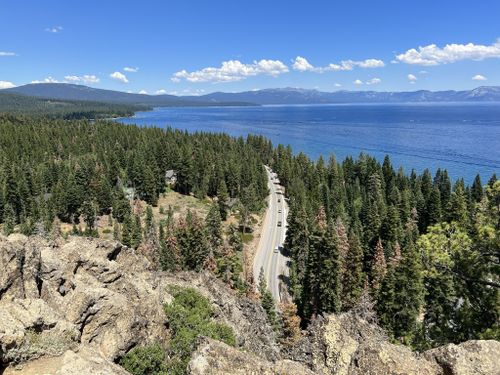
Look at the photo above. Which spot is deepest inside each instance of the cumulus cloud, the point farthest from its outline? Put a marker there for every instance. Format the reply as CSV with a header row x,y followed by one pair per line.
x,y
412,78
337,85
301,64
130,69
143,92
119,77
232,70
5,53
479,77
87,78
373,81
6,85
160,92
450,53
358,82
46,80
54,30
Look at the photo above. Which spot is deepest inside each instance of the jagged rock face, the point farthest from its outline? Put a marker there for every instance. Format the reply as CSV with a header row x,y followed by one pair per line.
x,y
348,345
84,285
105,298
216,358
471,357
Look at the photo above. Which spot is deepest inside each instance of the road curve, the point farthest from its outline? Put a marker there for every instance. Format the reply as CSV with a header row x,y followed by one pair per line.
x,y
273,263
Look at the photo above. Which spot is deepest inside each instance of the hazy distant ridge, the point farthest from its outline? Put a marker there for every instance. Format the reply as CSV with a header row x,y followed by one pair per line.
x,y
261,97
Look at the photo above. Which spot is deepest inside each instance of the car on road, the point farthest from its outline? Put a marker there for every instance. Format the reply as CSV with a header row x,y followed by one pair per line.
x,y
279,211
277,249
279,200
279,223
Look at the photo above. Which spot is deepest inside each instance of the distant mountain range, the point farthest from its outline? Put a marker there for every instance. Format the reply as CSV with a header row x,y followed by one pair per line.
x,y
303,96
65,91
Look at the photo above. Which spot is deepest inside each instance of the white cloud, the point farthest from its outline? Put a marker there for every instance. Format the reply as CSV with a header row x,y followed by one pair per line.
x,y
5,53
119,77
6,85
143,92
412,78
301,64
337,85
46,80
479,77
358,82
373,81
87,78
450,53
423,72
232,70
160,92
131,70
54,30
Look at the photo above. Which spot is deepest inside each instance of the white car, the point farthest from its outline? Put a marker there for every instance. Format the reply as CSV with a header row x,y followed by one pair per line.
x,y
277,249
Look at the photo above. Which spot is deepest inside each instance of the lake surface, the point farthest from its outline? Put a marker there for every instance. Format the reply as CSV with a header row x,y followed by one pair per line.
x,y
464,138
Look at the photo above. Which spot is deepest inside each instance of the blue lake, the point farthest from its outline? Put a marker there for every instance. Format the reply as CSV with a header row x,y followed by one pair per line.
x,y
463,138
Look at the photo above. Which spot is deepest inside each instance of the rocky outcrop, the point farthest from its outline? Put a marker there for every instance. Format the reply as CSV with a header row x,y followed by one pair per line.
x,y
58,298
471,357
348,345
216,358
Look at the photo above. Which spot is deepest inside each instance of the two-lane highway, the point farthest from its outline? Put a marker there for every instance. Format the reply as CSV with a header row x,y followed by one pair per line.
x,y
269,255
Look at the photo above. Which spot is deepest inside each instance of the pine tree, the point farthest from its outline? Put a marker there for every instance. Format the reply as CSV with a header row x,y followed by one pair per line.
x,y
379,267
121,206
127,231
89,213
433,211
457,207
353,280
477,189
9,220
223,199
170,254
400,299
136,234
267,302
343,244
214,229
297,245
330,283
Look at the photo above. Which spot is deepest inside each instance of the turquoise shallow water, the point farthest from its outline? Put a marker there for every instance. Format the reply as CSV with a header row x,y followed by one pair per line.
x,y
463,138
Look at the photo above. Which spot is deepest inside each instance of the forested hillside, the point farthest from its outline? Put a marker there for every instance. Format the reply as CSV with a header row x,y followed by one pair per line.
x,y
419,250
423,250
66,109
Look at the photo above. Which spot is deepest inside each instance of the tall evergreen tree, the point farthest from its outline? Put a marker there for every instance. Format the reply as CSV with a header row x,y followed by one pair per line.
x,y
353,279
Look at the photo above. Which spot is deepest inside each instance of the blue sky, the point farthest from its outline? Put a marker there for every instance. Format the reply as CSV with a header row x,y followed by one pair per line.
x,y
195,47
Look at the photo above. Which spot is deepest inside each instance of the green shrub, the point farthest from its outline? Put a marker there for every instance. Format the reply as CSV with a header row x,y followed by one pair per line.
x,y
145,360
190,316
